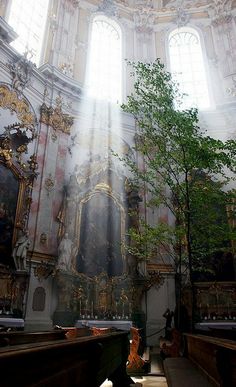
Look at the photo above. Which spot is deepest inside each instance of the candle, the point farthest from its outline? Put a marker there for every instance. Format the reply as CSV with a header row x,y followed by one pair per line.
x,y
130,309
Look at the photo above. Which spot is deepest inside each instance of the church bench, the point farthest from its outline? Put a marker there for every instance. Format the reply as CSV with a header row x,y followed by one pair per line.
x,y
182,372
220,332
215,356
83,361
16,338
210,361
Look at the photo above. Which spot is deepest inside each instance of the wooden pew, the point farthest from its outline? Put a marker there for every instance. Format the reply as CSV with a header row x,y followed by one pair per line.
x,y
216,357
82,361
17,338
208,361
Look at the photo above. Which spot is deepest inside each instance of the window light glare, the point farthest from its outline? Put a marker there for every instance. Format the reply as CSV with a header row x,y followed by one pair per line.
x,y
104,74
187,67
28,19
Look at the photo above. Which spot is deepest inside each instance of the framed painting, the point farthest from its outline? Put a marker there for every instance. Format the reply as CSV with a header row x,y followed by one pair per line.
x,y
101,233
10,188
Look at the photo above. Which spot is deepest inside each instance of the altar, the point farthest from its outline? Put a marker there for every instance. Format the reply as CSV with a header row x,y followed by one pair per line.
x,y
124,325
11,322
208,325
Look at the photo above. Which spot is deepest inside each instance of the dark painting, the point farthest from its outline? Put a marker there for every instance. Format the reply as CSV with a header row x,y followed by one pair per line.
x,y
100,237
9,188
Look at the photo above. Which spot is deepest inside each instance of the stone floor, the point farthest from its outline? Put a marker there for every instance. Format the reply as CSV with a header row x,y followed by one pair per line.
x,y
144,381
156,376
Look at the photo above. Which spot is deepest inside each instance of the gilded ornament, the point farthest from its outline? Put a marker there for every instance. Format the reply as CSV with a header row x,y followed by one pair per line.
x,y
43,238
55,118
10,100
21,72
33,165
49,183
54,135
22,148
6,151
43,271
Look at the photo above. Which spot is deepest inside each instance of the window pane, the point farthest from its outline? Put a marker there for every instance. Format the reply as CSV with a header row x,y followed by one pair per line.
x,y
104,75
187,67
28,19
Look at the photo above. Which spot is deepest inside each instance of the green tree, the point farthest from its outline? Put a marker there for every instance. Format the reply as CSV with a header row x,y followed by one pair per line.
x,y
181,168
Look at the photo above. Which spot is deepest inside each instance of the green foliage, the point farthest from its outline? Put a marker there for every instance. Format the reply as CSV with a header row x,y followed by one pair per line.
x,y
183,169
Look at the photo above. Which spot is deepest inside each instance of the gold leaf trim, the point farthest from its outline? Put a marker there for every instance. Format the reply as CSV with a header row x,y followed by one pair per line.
x,y
10,100
55,118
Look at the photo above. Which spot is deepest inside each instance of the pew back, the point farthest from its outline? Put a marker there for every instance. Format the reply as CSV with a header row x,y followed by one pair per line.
x,y
83,361
215,356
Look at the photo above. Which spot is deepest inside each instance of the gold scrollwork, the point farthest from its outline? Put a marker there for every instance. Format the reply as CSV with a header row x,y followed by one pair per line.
x,y
6,151
23,199
33,165
106,190
43,271
55,118
10,100
49,183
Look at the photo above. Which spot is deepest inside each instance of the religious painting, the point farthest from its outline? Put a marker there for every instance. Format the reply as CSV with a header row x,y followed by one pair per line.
x,y
100,237
9,190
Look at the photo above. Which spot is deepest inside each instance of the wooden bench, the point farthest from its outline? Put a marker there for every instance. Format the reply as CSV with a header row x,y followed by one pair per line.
x,y
82,361
210,361
17,338
181,372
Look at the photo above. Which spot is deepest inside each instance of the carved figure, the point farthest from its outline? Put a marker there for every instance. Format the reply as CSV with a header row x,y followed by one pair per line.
x,y
168,316
135,362
65,250
20,251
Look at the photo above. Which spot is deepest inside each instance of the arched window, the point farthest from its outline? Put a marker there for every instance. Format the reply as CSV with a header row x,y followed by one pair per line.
x,y
104,68
28,19
187,67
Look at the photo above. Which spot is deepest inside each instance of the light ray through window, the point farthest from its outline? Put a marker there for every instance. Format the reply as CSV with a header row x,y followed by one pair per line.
x,y
187,67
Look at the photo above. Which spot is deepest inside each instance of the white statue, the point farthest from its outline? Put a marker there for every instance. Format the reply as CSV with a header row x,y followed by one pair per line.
x,y
65,250
20,251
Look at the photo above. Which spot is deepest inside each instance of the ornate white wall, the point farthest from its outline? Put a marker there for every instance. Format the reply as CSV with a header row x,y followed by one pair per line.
x,y
58,83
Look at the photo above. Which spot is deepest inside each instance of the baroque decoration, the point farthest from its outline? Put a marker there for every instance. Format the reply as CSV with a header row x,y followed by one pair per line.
x,y
49,183
55,118
43,271
220,11
9,99
182,17
108,7
101,288
21,72
14,143
18,170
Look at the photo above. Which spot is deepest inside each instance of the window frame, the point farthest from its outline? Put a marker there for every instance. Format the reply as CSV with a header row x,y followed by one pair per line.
x,y
115,23
41,53
196,31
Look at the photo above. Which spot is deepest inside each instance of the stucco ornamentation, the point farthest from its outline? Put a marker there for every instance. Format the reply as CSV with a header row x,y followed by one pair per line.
x,y
108,7
21,72
9,99
55,118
